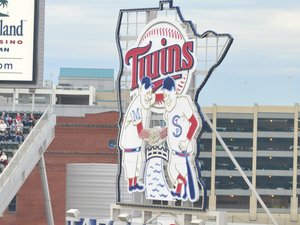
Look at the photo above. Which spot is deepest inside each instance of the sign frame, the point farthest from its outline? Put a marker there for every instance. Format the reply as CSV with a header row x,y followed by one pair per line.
x,y
37,52
162,6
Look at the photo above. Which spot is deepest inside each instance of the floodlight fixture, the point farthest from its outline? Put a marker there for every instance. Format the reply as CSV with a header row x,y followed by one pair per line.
x,y
197,222
125,217
75,213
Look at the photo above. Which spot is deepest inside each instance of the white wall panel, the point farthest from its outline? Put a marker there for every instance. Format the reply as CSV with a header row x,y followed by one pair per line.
x,y
91,188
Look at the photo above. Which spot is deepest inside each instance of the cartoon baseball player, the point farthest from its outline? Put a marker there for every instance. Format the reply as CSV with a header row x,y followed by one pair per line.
x,y
133,133
182,125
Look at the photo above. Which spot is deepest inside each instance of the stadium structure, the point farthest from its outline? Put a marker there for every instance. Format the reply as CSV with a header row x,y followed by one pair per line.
x,y
65,168
81,161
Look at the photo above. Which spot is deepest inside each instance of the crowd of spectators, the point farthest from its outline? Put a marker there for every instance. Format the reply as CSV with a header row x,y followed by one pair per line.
x,y
14,127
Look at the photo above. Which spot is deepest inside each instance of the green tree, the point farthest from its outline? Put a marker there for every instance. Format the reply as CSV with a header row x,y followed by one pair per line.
x,y
3,3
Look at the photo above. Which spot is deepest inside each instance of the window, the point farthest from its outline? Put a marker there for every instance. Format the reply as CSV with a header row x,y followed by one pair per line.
x,y
233,202
275,144
206,181
235,125
205,164
274,163
112,143
231,182
25,98
273,201
236,144
225,163
6,98
42,99
277,125
204,145
12,207
274,182
206,128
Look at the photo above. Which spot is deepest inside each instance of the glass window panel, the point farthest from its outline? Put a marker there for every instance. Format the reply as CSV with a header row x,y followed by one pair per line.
x,y
206,128
42,99
276,144
233,202
236,144
12,207
225,163
273,201
274,163
25,98
207,181
204,145
277,125
274,182
298,205
231,182
205,164
235,125
6,98
298,124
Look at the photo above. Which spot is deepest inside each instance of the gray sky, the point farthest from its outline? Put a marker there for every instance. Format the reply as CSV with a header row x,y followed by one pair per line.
x,y
262,66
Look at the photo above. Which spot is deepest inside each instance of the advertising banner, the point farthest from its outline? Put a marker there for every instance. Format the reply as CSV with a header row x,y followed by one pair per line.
x,y
161,57
17,40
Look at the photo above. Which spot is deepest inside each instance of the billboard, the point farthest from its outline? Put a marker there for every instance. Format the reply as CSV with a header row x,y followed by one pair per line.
x,y
164,63
19,44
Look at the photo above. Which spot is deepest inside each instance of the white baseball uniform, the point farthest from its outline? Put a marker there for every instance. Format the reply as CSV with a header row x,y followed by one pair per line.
x,y
180,127
130,142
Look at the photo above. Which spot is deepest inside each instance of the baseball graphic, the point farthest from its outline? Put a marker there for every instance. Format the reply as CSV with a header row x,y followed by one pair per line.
x,y
162,62
163,50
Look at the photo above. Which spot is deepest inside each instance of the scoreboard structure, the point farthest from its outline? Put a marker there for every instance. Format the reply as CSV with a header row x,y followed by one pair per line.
x,y
22,43
164,63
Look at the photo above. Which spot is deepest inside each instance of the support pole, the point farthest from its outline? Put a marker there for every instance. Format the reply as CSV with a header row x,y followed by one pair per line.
x,y
253,200
44,179
33,101
14,100
294,197
240,169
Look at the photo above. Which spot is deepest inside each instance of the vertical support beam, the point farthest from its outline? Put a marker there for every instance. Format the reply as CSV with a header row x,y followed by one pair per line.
x,y
187,218
146,215
53,95
44,179
221,218
212,197
14,100
16,97
114,213
92,95
294,198
253,201
33,101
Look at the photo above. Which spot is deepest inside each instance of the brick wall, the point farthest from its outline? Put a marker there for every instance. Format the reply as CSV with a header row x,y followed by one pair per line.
x,y
77,140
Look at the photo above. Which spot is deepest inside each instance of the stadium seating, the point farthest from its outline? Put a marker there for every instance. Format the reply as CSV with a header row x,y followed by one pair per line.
x,y
14,128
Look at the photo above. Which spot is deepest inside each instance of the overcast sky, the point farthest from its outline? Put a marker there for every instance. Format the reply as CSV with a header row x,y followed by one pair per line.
x,y
262,66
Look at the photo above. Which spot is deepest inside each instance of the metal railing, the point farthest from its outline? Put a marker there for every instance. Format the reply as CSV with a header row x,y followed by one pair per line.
x,y
32,138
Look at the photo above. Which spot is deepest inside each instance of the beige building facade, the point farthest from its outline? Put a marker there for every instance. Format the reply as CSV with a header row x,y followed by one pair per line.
x,y
265,142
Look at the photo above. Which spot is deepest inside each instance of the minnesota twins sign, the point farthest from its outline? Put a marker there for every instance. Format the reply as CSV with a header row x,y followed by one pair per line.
x,y
163,49
160,127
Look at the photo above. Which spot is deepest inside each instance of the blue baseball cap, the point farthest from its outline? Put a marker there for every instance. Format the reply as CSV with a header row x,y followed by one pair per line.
x,y
146,81
169,84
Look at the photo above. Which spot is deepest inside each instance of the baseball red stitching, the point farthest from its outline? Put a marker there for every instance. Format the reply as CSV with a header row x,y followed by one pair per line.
x,y
163,31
